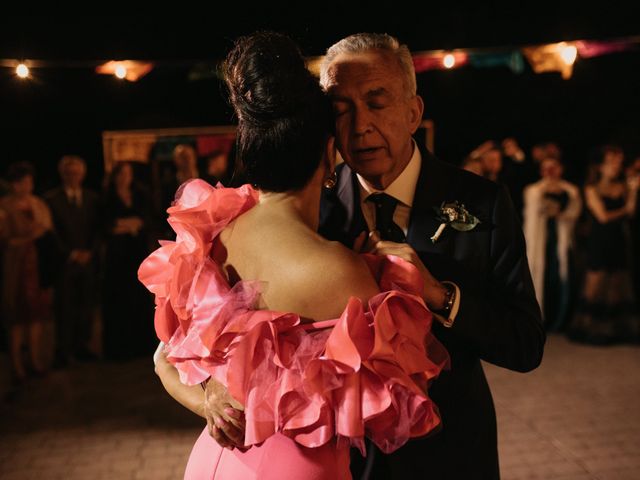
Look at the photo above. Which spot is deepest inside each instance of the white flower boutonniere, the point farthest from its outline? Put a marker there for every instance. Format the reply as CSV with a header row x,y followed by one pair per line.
x,y
456,215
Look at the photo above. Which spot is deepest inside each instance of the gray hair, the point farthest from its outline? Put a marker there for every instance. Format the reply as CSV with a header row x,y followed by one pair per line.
x,y
69,159
362,42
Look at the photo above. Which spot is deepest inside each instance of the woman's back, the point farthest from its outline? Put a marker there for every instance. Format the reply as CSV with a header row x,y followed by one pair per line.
x,y
303,272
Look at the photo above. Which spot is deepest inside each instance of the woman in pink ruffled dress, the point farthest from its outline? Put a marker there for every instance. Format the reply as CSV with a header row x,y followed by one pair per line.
x,y
321,346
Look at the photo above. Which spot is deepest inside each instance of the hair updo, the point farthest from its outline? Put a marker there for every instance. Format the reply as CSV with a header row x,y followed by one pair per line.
x,y
284,117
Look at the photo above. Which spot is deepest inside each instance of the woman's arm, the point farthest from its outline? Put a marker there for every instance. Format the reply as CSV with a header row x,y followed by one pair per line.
x,y
632,197
191,397
225,419
574,207
597,208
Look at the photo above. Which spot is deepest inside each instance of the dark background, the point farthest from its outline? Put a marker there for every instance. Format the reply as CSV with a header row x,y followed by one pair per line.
x,y
64,109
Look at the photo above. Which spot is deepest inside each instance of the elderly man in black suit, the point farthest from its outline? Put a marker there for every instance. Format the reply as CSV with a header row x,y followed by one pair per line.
x,y
477,280
76,219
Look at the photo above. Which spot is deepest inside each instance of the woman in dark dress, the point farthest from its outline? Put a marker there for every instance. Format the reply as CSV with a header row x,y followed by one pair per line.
x,y
606,312
127,306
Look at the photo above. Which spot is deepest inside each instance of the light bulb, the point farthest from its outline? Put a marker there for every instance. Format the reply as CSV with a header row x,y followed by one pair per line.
x,y
568,53
121,71
22,71
449,60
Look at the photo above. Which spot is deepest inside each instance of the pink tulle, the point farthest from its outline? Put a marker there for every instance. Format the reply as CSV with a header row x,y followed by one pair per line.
x,y
362,375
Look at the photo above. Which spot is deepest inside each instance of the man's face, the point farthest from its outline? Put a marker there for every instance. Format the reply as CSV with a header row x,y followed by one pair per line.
x,y
612,165
24,186
492,162
375,114
73,174
551,169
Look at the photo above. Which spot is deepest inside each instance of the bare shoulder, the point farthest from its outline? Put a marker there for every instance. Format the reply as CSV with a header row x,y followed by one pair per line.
x,y
305,273
340,267
321,278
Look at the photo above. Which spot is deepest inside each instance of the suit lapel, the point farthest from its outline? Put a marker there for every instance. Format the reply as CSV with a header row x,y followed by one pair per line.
x,y
433,187
341,217
349,195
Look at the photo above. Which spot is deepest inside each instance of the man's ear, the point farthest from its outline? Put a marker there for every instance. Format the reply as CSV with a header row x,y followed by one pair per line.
x,y
330,154
416,111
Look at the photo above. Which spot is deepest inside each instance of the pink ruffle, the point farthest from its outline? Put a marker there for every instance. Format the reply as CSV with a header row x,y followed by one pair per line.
x,y
363,374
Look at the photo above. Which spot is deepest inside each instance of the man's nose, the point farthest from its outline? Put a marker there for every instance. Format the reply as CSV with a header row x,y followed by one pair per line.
x,y
361,122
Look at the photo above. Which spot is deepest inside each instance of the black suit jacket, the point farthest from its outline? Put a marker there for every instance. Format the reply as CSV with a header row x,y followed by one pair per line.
x,y
498,321
75,227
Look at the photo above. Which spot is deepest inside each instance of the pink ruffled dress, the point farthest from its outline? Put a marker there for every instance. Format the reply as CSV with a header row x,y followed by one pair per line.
x,y
310,391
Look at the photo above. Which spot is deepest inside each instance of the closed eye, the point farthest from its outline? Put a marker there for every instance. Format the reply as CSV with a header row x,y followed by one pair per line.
x,y
340,108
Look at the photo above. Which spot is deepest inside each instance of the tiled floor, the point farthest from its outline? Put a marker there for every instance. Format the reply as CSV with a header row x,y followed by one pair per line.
x,y
576,417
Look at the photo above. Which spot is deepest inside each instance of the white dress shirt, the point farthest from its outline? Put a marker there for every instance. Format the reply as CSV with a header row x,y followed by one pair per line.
x,y
74,195
402,189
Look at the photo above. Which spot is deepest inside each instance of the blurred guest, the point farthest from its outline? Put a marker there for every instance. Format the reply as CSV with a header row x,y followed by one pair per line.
x,y
5,187
543,150
516,171
489,156
473,165
217,164
633,180
606,312
127,328
551,208
491,161
76,220
185,161
26,303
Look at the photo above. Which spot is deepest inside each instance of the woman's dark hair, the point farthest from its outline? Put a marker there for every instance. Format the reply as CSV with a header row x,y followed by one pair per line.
x,y
593,174
110,180
284,117
17,171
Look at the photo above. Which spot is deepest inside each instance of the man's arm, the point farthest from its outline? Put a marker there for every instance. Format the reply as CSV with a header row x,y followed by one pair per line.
x,y
498,318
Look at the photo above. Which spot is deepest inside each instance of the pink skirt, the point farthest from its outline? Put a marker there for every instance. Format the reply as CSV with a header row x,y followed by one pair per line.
x,y
278,457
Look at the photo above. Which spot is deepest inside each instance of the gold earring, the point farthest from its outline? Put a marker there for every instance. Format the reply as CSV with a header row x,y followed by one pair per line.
x,y
330,182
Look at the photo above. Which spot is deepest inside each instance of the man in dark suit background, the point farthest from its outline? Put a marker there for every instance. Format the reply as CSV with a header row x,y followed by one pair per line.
x,y
76,219
477,281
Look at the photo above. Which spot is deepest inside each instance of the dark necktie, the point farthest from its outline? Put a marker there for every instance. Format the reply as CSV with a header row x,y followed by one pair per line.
x,y
385,208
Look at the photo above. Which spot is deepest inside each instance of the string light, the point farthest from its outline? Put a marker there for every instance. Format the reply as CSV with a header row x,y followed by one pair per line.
x,y
449,60
553,57
22,71
130,70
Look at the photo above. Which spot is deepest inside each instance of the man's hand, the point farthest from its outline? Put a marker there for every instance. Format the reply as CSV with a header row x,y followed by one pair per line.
x,y
225,416
434,292
83,257
482,149
511,149
366,242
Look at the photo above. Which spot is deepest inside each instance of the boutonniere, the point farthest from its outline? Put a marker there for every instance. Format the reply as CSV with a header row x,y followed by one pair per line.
x,y
454,214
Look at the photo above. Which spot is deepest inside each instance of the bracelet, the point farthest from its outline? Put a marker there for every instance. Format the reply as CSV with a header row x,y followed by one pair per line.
x,y
449,298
